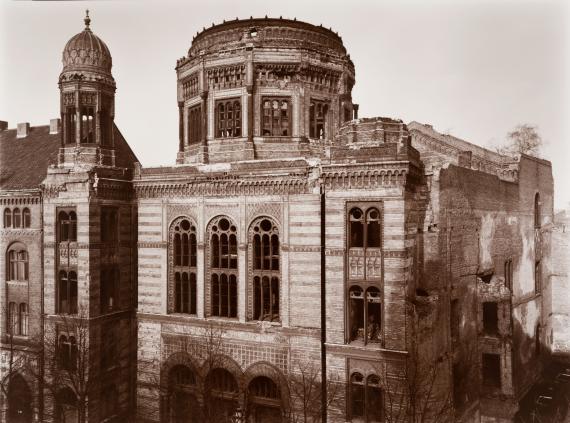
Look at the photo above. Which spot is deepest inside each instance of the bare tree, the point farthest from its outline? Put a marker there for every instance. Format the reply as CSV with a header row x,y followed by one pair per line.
x,y
523,139
304,385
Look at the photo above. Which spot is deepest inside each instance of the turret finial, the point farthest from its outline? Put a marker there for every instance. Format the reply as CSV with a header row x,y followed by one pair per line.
x,y
87,20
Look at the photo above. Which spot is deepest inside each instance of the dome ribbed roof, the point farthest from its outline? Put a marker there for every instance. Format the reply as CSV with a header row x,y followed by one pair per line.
x,y
86,51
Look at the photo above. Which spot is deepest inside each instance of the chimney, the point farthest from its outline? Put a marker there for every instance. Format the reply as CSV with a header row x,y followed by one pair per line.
x,y
23,130
54,126
3,125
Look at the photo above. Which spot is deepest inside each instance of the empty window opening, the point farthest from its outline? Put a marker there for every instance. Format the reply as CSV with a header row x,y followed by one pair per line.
x,y
67,292
490,318
491,369
67,224
194,125
87,125
318,111
70,125
365,321
276,117
364,228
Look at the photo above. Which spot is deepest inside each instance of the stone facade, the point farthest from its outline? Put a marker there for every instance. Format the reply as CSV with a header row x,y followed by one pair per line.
x,y
291,239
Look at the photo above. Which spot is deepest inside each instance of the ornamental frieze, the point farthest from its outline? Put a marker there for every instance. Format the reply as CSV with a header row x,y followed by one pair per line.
x,y
88,99
174,211
155,244
264,209
8,201
69,99
226,76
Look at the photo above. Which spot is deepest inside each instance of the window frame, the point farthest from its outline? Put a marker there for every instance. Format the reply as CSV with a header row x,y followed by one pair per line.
x,y
366,282
222,268
264,270
314,120
17,263
88,125
271,127
231,124
181,265
26,218
66,224
194,124
7,218
366,387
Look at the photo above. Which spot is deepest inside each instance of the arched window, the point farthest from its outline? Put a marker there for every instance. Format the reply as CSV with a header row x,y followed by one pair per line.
x,y
318,111
537,216
183,245
13,325
356,313
264,400
67,225
7,218
182,390
26,217
223,267
70,125
266,276
23,318
67,292
228,117
16,218
365,398
276,117
17,263
364,229
87,125
223,391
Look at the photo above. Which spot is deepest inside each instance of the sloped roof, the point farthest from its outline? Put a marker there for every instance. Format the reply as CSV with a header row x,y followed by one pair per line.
x,y
24,161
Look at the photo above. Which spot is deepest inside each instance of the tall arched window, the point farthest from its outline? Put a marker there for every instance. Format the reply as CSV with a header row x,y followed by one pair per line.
x,y
182,391
194,124
266,276
67,292
182,284
223,267
7,218
228,117
364,228
264,400
17,263
23,319
67,225
365,398
16,218
26,217
87,125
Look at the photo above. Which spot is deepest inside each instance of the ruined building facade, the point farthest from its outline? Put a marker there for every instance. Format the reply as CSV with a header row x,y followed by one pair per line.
x,y
290,239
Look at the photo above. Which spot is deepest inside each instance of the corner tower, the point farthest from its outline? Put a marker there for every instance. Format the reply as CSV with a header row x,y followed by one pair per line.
x,y
87,101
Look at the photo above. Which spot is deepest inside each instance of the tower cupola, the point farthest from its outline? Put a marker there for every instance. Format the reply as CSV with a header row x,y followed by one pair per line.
x,y
87,102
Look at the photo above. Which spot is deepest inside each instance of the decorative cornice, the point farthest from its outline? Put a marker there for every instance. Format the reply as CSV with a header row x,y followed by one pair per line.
x,y
155,244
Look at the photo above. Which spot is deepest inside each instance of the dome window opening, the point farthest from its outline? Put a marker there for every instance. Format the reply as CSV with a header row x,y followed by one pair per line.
x,y
87,125
253,33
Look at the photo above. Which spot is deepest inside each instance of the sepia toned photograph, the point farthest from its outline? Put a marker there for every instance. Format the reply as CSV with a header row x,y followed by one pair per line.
x,y
285,212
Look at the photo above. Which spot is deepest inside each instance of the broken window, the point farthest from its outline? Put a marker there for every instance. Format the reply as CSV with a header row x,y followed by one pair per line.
x,y
67,224
491,369
364,228
490,318
228,118
356,313
276,117
318,111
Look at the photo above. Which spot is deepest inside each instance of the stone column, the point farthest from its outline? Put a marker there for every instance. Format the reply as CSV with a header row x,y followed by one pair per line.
x,y
204,120
200,278
77,117
242,285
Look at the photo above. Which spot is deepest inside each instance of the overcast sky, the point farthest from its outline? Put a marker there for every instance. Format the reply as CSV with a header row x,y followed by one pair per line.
x,y
474,69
